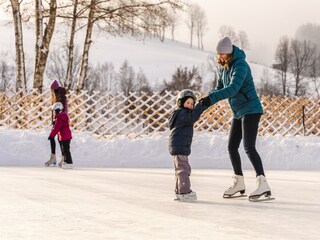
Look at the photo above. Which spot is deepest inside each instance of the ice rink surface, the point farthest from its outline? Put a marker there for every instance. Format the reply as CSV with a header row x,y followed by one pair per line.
x,y
105,203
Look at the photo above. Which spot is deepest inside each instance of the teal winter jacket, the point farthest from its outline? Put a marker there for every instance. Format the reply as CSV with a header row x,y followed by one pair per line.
x,y
236,84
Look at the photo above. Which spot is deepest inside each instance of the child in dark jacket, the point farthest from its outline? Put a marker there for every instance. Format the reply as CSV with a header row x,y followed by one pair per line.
x,y
61,127
181,126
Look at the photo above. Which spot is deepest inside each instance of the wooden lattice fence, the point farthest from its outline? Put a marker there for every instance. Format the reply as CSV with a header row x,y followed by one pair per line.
x,y
110,115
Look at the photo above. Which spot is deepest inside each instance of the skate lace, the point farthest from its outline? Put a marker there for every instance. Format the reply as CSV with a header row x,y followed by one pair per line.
x,y
235,180
259,181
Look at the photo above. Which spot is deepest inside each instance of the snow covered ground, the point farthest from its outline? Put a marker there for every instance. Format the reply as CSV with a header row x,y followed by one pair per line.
x,y
39,203
209,150
123,189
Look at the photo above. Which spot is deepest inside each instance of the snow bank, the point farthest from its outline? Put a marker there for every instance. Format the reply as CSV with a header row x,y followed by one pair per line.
x,y
209,150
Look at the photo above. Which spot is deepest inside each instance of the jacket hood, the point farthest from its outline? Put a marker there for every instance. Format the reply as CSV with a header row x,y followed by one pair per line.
x,y
237,53
63,117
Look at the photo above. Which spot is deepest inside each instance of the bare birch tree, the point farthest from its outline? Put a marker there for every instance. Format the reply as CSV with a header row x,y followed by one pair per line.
x,y
121,17
44,33
69,73
21,81
86,47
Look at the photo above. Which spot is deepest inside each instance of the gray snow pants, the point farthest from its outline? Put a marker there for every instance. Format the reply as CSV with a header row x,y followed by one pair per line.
x,y
183,172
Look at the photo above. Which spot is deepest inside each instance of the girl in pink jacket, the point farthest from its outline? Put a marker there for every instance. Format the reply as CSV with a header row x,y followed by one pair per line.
x,y
61,127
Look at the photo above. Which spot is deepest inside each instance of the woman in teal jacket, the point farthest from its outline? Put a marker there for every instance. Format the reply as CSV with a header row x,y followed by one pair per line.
x,y
236,84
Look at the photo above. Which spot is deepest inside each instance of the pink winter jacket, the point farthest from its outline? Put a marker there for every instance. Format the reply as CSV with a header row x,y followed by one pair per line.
x,y
61,127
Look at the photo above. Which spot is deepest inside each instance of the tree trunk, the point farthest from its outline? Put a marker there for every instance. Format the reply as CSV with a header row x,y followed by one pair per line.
x,y
172,32
86,48
284,83
69,76
199,39
191,35
202,41
43,41
297,86
21,81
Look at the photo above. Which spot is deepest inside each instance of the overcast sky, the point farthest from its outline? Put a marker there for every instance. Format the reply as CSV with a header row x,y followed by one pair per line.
x,y
264,21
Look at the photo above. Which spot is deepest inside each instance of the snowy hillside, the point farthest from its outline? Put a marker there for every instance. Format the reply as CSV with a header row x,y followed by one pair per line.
x,y
157,60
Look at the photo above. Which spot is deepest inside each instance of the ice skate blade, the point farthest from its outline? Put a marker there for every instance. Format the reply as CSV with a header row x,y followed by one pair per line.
x,y
266,196
234,196
260,199
49,165
185,200
67,168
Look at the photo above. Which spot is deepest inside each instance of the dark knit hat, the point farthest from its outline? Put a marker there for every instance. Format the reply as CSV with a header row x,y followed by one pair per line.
x,y
224,45
54,85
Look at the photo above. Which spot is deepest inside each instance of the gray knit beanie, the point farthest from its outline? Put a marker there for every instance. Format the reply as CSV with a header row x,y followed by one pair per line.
x,y
224,45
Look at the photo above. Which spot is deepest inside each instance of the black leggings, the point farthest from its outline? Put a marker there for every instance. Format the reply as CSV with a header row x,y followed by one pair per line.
x,y
65,149
53,146
246,128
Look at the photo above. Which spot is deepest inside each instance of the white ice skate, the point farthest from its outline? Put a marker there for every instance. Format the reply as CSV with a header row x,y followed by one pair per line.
x,y
238,186
61,162
52,161
263,191
67,165
187,197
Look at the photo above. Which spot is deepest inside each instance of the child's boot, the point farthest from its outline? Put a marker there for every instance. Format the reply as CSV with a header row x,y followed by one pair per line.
x,y
187,197
52,160
61,162
67,165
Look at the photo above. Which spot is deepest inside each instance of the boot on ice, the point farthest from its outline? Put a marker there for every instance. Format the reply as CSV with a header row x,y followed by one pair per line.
x,y
237,186
52,160
263,189
67,165
187,197
61,162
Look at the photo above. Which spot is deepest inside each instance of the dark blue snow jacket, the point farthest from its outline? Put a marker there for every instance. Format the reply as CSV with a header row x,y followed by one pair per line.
x,y
181,124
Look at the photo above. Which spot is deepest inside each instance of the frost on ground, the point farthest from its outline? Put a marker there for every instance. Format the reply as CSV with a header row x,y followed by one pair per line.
x,y
110,203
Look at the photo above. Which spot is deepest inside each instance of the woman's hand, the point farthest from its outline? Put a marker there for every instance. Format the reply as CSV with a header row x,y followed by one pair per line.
x,y
205,101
